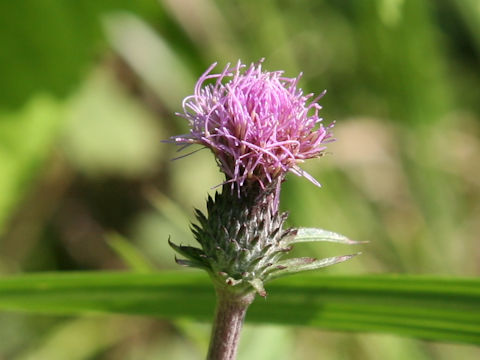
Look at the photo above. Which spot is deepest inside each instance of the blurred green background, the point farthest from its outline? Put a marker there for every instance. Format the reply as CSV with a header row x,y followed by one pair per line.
x,y
88,90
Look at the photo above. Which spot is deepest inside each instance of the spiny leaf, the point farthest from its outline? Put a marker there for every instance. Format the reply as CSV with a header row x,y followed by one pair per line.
x,y
313,234
189,252
191,263
257,284
295,265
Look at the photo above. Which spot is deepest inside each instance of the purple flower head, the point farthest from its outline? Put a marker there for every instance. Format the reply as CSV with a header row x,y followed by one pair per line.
x,y
258,124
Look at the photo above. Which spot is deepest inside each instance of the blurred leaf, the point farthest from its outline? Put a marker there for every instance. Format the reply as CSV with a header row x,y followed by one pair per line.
x,y
267,342
47,45
168,208
440,309
470,11
80,339
132,257
207,26
403,58
160,66
26,139
108,132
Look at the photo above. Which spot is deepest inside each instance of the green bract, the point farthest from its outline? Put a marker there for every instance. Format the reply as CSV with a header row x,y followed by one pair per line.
x,y
243,242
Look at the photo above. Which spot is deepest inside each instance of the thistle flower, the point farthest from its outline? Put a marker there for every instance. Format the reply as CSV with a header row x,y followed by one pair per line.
x,y
258,124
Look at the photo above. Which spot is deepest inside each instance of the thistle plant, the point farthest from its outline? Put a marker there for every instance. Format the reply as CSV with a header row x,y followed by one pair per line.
x,y
259,125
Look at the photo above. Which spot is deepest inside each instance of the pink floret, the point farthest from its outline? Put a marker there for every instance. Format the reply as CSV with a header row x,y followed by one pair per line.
x,y
258,124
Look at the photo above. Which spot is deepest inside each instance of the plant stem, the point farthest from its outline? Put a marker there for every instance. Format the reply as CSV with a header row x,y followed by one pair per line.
x,y
229,316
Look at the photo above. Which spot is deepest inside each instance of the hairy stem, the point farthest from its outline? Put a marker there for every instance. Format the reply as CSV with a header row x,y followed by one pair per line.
x,y
229,316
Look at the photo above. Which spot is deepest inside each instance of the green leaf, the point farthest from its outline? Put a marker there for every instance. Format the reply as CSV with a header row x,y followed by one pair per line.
x,y
313,234
435,308
295,265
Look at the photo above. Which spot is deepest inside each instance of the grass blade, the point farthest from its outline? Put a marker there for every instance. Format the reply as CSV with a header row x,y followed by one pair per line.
x,y
434,308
